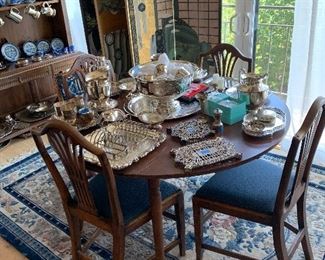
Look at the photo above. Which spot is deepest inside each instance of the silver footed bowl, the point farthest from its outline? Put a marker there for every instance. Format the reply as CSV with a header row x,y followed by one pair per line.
x,y
140,103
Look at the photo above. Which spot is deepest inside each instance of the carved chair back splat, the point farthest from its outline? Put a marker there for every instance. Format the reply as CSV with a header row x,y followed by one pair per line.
x,y
224,57
83,201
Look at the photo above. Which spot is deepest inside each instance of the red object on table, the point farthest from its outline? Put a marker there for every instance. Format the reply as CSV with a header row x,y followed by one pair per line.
x,y
193,90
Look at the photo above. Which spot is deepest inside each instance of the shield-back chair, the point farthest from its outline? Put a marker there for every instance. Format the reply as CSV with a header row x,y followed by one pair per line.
x,y
115,204
262,192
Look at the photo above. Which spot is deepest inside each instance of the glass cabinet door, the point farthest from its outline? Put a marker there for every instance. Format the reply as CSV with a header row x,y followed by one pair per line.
x,y
181,28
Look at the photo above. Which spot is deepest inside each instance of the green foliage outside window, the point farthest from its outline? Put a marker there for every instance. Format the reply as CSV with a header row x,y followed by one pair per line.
x,y
273,42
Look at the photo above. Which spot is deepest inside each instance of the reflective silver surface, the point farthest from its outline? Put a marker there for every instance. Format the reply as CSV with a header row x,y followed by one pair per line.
x,y
124,142
173,109
39,107
165,84
254,126
113,115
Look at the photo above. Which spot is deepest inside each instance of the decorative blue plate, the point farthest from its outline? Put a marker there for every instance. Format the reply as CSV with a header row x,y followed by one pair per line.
x,y
43,46
10,52
29,48
57,45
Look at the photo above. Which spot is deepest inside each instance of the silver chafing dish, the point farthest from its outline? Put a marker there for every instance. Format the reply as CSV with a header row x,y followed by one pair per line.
x,y
155,79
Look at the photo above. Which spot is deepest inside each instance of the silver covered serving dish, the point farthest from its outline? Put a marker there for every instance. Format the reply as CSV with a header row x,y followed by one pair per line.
x,y
124,142
162,80
171,109
255,125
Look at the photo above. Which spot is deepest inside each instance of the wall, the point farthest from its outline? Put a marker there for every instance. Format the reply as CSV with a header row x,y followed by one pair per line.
x,y
76,25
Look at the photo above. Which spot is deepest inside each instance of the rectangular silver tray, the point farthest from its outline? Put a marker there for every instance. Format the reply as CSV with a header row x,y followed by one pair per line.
x,y
124,142
205,153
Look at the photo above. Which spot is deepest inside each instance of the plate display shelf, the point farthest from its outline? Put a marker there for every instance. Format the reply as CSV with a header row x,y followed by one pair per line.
x,y
21,86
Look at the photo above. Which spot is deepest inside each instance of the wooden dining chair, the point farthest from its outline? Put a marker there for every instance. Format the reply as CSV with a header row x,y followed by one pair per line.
x,y
115,204
224,57
71,83
262,192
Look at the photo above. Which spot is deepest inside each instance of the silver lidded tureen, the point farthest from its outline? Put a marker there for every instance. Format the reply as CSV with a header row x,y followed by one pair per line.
x,y
165,77
160,83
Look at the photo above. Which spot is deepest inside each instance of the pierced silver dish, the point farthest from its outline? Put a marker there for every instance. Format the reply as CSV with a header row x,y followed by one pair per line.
x,y
125,142
191,130
252,125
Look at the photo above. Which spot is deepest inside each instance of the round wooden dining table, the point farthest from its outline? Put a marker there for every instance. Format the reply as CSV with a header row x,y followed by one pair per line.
x,y
160,164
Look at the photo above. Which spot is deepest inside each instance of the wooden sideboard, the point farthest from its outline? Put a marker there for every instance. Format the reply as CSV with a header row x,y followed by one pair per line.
x,y
20,87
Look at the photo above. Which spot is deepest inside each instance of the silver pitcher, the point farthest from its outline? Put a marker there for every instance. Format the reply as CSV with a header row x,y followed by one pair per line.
x,y
252,85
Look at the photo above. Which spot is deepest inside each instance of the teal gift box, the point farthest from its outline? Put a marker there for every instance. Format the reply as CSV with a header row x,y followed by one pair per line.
x,y
212,101
233,110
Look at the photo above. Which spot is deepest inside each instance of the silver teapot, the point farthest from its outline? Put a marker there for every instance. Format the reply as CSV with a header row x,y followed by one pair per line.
x,y
251,78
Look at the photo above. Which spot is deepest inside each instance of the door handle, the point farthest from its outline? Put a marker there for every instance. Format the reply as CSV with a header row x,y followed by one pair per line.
x,y
231,24
247,21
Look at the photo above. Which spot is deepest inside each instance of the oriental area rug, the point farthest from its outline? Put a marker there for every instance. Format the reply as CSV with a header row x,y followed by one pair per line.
x,y
33,221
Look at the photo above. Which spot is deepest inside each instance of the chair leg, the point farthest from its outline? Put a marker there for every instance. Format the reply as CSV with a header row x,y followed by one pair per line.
x,y
302,224
180,223
118,245
75,233
198,231
279,242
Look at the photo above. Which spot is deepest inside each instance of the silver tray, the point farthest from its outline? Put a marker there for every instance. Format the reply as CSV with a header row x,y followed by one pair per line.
x,y
124,142
178,110
253,127
205,153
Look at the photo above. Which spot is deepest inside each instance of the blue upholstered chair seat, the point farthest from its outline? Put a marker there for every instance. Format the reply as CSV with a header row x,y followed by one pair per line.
x,y
133,195
252,186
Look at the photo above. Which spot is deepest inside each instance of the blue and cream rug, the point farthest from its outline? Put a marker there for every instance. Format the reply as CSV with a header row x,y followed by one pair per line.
x,y
33,221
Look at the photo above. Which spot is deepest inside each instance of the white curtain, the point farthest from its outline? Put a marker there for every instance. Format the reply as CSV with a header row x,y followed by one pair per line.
x,y
307,65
